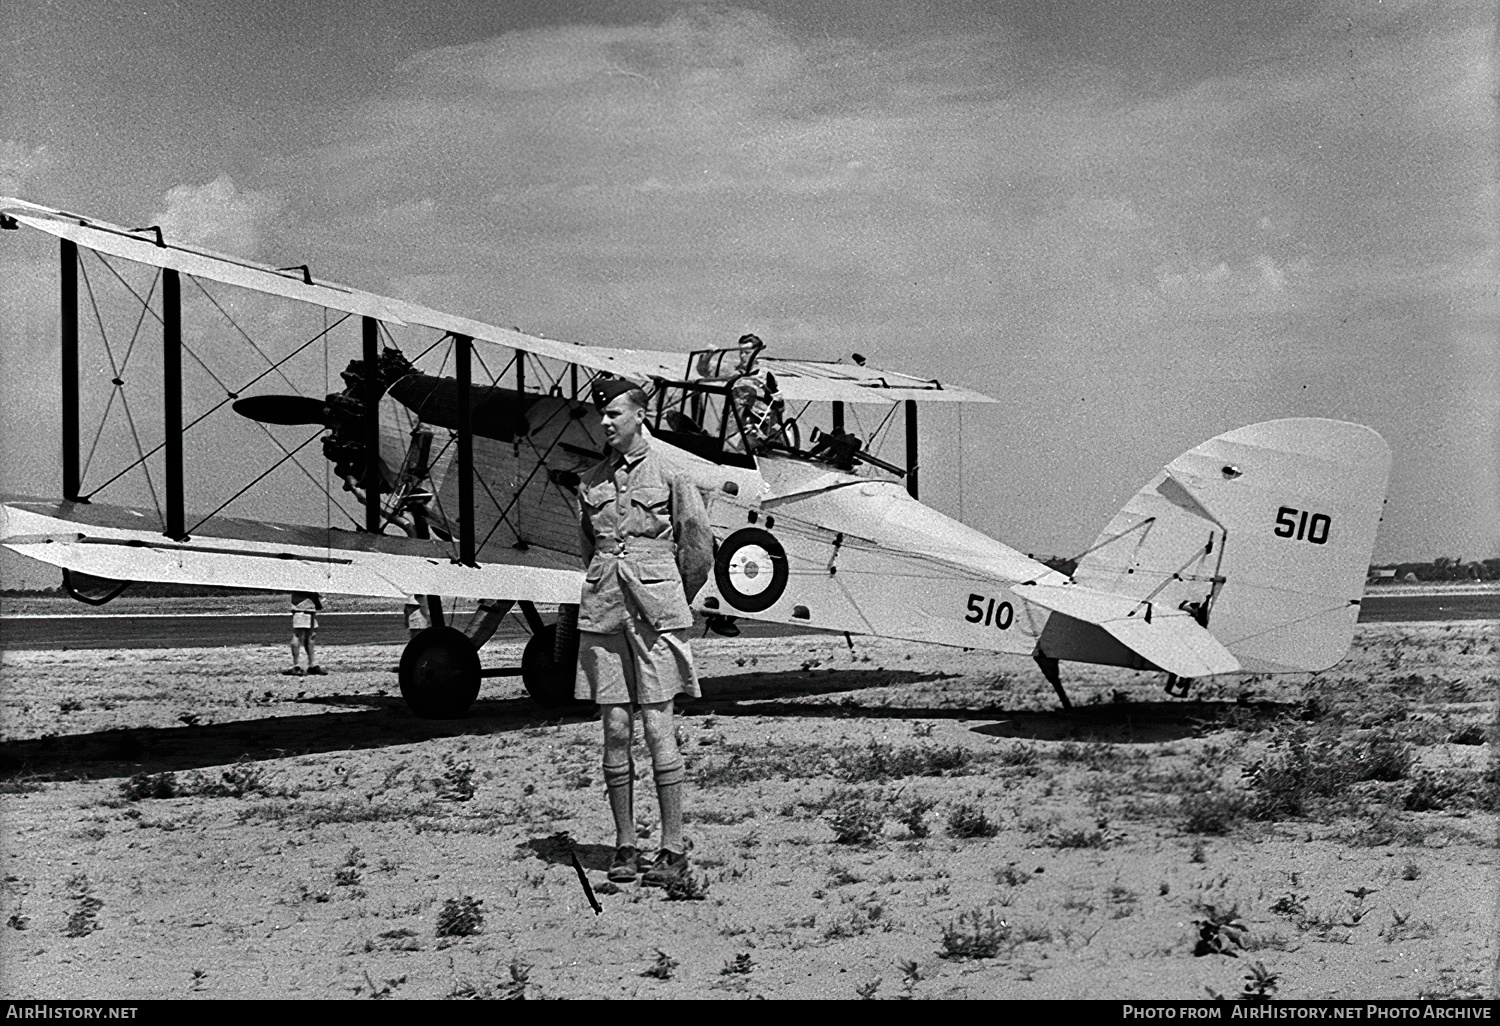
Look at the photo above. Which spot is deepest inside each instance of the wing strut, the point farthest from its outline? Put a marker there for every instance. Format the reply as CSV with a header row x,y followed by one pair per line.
x,y
71,477
462,345
911,447
372,425
171,399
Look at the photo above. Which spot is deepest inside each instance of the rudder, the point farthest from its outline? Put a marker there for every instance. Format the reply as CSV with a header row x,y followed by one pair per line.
x,y
1265,532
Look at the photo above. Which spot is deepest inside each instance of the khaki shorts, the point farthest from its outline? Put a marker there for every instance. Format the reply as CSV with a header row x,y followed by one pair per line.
x,y
304,621
636,666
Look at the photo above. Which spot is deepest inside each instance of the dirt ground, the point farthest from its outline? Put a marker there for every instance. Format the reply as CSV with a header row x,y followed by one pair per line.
x,y
893,821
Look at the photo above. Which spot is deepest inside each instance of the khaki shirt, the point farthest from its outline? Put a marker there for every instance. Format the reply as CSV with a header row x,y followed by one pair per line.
x,y
647,543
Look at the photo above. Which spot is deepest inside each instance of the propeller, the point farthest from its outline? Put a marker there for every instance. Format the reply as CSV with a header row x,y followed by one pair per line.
x,y
284,409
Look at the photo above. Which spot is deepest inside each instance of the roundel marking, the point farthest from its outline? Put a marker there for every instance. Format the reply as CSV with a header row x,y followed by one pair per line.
x,y
751,570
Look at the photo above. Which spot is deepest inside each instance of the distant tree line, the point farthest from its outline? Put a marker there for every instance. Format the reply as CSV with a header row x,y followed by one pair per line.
x,y
1444,568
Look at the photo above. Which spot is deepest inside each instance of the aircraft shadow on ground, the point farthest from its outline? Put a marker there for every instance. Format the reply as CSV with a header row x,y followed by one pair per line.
x,y
379,721
123,752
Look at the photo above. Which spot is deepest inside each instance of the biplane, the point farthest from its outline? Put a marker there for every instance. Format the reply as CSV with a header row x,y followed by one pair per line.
x,y
1245,554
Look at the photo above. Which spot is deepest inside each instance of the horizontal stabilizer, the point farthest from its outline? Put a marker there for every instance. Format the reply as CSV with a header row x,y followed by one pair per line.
x,y
1170,639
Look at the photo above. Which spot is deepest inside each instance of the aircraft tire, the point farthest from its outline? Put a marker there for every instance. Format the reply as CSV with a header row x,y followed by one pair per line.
x,y
549,680
439,674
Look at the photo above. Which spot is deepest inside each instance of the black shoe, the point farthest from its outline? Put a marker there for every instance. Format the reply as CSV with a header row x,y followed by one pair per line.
x,y
625,866
669,866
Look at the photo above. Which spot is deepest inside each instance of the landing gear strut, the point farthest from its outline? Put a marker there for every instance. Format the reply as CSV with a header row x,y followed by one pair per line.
x,y
1048,666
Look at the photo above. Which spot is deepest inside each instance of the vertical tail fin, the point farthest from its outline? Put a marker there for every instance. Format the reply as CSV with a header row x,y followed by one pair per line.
x,y
1264,533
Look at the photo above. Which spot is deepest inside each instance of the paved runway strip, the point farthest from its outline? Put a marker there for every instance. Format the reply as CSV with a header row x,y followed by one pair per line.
x,y
220,630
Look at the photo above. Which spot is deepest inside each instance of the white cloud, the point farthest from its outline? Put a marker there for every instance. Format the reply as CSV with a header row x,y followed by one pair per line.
x,y
217,216
20,166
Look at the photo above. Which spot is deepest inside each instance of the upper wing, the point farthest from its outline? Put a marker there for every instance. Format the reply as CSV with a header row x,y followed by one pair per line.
x,y
800,380
123,544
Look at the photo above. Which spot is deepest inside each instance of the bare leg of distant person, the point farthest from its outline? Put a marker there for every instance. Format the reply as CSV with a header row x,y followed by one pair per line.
x,y
299,646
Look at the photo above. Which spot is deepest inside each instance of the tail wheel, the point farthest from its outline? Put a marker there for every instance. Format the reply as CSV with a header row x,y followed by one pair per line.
x,y
439,673
547,673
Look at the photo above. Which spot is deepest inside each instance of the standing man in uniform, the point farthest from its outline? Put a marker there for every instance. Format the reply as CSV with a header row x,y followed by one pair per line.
x,y
648,547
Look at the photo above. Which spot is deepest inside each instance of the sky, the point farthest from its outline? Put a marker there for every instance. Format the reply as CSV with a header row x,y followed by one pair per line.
x,y
1136,225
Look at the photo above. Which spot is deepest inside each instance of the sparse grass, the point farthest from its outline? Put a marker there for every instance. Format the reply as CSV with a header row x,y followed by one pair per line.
x,y
663,968
1298,773
912,814
1213,812
718,817
974,934
691,885
348,875
1220,930
1010,876
84,918
740,965
16,785
244,778
1097,836
873,762
1441,790
460,917
855,820
866,917
456,782
969,821
1469,734
878,762
1260,983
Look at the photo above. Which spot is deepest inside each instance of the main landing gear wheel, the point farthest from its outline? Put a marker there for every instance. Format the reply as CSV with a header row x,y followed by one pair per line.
x,y
439,673
548,678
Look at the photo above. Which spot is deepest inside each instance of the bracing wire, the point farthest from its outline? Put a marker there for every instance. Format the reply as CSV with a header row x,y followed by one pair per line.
x,y
229,397
258,479
119,384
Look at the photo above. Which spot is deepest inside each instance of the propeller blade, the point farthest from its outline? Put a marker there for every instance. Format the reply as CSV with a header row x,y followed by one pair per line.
x,y
283,409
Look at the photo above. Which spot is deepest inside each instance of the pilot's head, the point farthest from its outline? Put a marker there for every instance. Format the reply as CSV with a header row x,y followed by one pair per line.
x,y
750,347
622,410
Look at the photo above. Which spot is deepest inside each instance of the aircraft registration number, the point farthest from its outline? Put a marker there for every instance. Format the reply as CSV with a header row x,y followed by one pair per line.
x,y
984,610
1311,527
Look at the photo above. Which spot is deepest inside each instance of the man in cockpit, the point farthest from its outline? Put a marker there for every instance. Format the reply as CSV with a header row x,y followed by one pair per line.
x,y
756,399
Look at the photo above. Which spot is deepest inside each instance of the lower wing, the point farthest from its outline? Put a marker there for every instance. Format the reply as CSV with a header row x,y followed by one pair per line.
x,y
119,543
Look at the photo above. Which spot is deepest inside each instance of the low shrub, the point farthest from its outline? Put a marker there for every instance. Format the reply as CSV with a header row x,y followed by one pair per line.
x,y
1213,812
974,935
855,820
968,821
460,917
